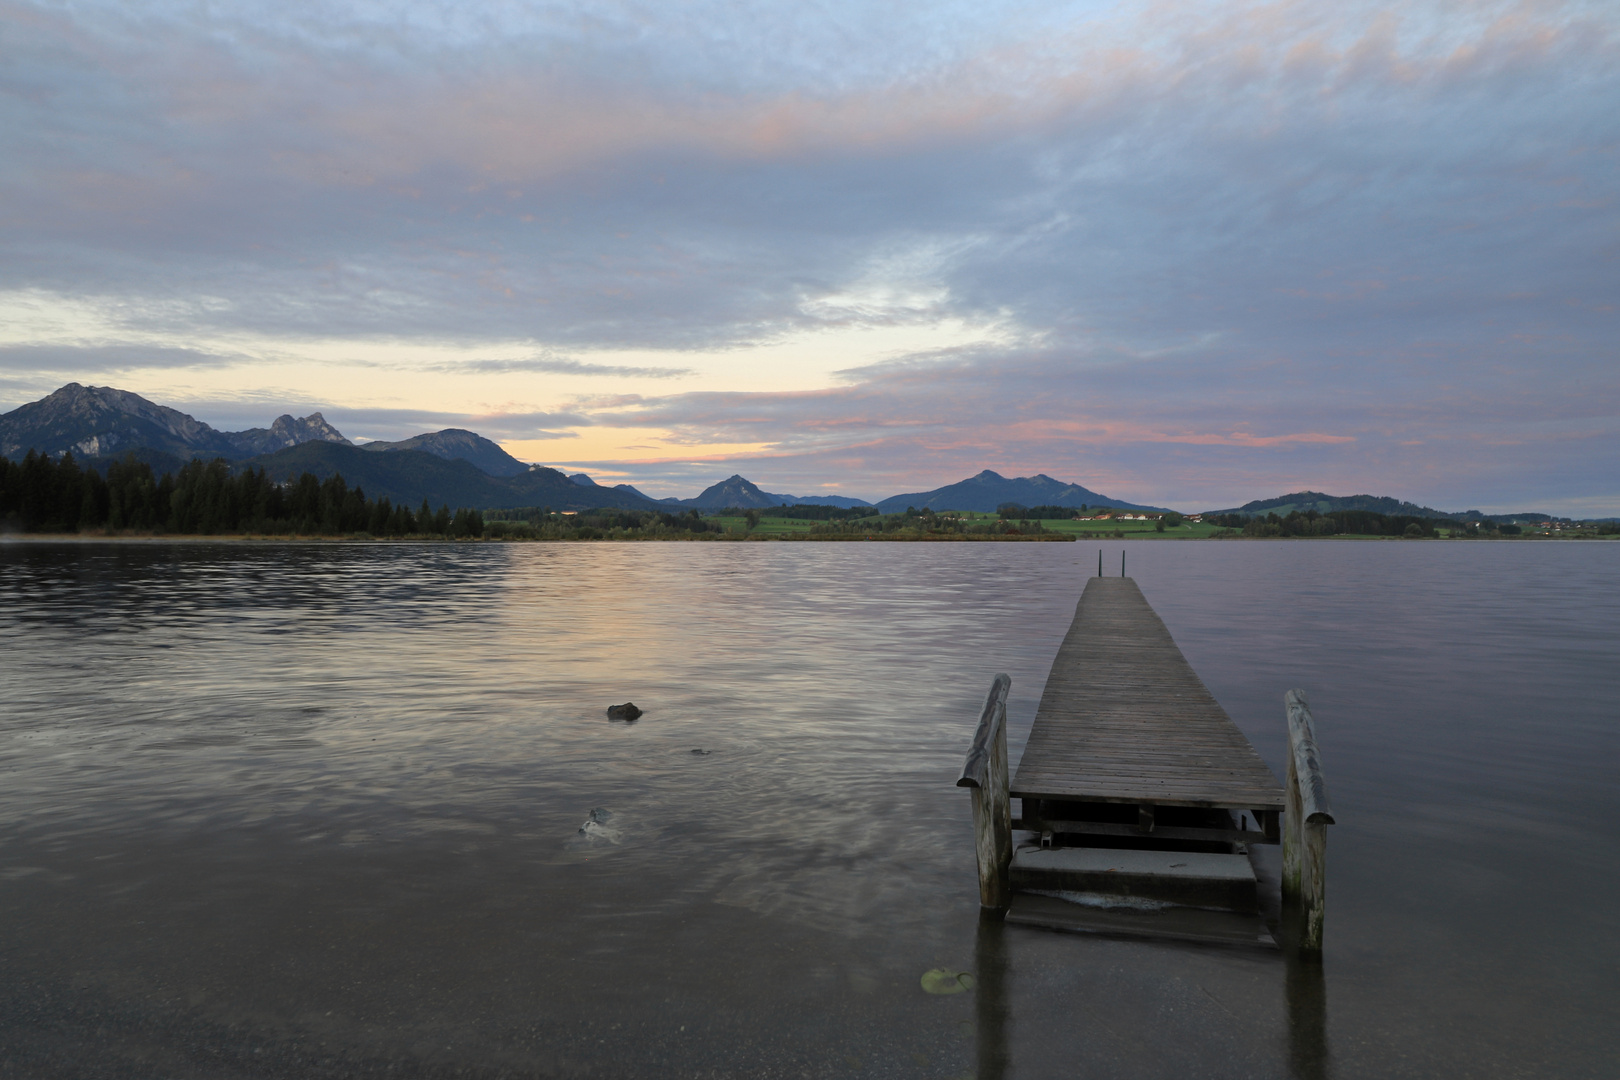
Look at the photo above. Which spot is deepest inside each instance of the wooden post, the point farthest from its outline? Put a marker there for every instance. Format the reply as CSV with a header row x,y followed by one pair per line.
x,y
1304,878
986,773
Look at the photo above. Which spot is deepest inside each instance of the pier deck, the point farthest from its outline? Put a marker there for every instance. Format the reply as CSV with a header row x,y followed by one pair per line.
x,y
1143,797
1125,719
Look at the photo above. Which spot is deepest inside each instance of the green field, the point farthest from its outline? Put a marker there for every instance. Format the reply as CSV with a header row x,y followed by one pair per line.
x,y
768,526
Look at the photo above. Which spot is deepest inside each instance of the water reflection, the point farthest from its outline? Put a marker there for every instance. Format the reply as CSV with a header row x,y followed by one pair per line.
x,y
990,1007
1307,1016
298,797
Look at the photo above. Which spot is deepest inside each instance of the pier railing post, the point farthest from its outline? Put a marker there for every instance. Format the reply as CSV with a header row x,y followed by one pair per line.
x,y
986,773
1304,877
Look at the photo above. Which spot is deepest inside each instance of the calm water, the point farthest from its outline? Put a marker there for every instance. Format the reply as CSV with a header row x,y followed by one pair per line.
x,y
314,811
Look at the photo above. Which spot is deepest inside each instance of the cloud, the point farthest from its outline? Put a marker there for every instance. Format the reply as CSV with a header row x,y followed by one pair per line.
x,y
43,360
564,366
1229,245
605,197
1190,430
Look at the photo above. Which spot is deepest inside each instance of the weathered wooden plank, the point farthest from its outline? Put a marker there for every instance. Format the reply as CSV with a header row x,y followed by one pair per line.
x,y
1305,824
985,771
1124,718
1307,761
1196,879
1171,923
1162,832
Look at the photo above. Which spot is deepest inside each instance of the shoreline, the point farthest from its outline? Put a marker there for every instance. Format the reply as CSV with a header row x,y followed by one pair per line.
x,y
295,538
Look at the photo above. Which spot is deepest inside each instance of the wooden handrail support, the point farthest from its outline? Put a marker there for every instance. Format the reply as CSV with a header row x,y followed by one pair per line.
x,y
986,773
1305,823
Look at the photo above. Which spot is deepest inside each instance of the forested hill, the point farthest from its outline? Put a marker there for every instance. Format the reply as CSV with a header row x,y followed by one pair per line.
x,y
1306,501
409,476
458,443
41,494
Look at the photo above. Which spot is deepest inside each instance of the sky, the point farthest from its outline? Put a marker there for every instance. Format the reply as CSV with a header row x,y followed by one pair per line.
x,y
1182,254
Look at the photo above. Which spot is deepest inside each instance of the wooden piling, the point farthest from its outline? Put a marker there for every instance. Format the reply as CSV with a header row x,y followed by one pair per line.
x,y
986,773
1304,878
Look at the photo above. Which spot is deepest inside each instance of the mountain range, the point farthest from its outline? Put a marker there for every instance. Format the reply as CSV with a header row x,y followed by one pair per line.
x,y
99,421
99,424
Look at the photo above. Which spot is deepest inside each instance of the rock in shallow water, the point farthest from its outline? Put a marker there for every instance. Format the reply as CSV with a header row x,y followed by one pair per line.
x,y
627,711
596,827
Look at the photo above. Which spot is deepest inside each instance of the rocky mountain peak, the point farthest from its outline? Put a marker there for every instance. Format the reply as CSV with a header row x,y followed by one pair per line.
x,y
96,421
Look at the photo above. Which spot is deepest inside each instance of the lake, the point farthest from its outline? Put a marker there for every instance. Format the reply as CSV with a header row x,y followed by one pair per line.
x,y
315,810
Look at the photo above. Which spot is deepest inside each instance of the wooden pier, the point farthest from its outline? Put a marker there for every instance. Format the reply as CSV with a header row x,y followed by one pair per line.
x,y
1140,797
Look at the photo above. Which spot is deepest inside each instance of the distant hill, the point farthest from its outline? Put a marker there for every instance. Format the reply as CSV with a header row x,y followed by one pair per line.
x,y
988,490
459,444
409,476
584,480
738,491
1305,501
100,421
843,502
732,491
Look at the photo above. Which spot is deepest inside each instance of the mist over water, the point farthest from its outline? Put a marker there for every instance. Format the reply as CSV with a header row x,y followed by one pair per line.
x,y
315,810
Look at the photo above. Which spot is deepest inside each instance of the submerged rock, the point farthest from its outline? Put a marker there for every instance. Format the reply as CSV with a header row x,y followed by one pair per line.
x,y
596,827
627,711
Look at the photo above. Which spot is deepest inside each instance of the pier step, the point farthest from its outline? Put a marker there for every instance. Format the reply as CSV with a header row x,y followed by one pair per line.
x,y
1189,878
1168,923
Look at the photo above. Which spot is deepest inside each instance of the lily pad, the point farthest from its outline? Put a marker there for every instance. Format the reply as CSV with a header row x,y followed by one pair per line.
x,y
946,981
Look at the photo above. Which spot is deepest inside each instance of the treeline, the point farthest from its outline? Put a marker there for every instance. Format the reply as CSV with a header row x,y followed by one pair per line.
x,y
806,512
542,523
1337,523
927,524
1010,511
39,494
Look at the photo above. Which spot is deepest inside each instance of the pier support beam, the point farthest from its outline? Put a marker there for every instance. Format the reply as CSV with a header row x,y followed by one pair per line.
x,y
986,773
1304,875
